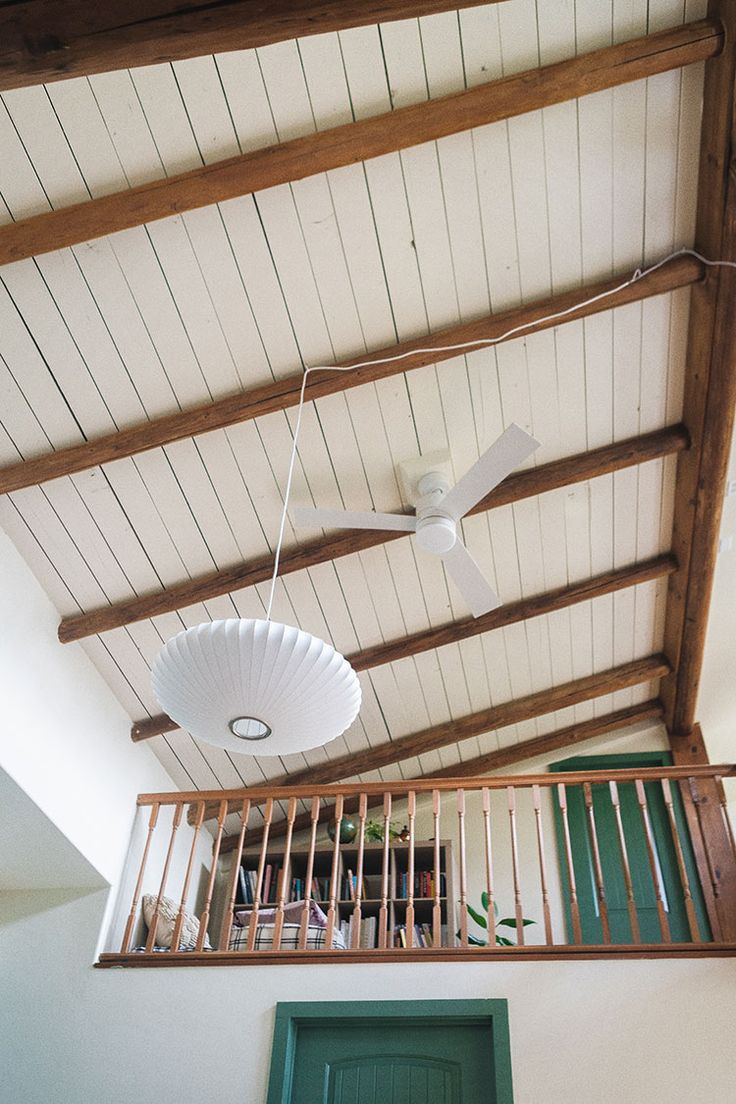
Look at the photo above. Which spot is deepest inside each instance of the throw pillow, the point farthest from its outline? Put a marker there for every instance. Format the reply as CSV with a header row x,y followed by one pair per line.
x,y
168,911
292,915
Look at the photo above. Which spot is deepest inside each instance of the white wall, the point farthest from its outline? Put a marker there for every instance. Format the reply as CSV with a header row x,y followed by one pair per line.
x,y
587,1033
64,738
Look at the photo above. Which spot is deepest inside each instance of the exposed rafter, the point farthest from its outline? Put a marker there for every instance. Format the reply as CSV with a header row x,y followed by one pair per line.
x,y
283,394
509,614
359,141
485,764
523,484
48,40
476,724
709,404
486,720
710,393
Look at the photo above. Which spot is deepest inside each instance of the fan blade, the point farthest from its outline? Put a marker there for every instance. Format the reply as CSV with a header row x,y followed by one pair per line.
x,y
470,580
349,519
510,450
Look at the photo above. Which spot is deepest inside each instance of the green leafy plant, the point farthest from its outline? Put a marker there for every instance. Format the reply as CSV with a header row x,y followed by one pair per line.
x,y
482,922
374,831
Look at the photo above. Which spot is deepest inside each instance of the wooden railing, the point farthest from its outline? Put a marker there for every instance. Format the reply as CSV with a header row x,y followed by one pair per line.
x,y
592,863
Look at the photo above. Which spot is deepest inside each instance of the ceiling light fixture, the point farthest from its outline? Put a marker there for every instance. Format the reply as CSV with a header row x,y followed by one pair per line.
x,y
256,687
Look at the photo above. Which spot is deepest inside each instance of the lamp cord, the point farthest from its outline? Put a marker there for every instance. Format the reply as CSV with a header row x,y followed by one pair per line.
x,y
479,343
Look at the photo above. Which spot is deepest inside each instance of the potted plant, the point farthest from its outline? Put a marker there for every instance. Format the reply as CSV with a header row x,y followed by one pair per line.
x,y
482,922
374,831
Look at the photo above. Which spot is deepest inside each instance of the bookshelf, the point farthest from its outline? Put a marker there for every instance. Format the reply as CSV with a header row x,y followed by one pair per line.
x,y
397,899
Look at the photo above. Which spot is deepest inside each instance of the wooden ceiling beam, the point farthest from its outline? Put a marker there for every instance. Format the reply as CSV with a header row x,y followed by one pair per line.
x,y
474,768
523,484
283,394
709,396
358,141
476,724
50,40
509,614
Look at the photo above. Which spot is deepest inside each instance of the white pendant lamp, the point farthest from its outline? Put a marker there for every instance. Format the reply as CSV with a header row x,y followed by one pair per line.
x,y
256,686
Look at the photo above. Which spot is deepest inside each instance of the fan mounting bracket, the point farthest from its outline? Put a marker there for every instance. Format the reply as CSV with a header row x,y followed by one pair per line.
x,y
412,472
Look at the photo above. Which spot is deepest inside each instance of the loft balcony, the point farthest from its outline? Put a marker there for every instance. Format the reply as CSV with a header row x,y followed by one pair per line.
x,y
598,863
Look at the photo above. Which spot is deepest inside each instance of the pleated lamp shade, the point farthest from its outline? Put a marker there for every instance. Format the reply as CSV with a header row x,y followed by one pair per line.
x,y
256,686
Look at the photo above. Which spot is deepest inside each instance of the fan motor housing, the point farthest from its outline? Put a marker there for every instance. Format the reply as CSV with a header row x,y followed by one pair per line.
x,y
436,533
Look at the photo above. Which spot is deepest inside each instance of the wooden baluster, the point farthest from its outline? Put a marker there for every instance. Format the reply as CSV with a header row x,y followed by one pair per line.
x,y
600,888
204,920
357,911
176,934
227,920
127,934
178,809
463,870
724,813
628,882
411,813
335,875
577,933
278,925
518,910
383,911
411,806
695,795
537,800
652,854
491,911
437,907
267,816
304,925
692,918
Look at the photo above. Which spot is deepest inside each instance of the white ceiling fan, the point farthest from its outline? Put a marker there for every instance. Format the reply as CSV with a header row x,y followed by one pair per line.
x,y
438,510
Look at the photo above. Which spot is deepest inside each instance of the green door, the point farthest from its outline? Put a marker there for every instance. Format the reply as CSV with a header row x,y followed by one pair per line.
x,y
397,1052
611,865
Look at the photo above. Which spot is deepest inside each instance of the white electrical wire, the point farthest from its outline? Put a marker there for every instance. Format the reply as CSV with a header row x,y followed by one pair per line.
x,y
479,343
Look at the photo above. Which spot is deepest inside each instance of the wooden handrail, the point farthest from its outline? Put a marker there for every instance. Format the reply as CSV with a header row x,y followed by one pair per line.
x,y
409,915
444,785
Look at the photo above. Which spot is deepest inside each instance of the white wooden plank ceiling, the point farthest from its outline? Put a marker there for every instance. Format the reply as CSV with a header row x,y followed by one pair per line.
x,y
155,319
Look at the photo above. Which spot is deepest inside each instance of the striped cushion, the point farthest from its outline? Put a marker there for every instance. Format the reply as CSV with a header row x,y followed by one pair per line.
x,y
289,938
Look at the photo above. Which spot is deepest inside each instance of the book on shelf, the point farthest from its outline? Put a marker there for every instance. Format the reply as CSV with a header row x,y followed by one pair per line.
x,y
247,883
321,889
271,886
423,936
368,931
349,887
424,884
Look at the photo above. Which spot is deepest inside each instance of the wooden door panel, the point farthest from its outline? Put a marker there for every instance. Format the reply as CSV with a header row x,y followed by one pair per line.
x,y
405,1063
641,874
399,1079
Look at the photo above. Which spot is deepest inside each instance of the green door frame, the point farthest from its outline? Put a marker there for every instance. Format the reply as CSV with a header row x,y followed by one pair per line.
x,y
290,1014
614,761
